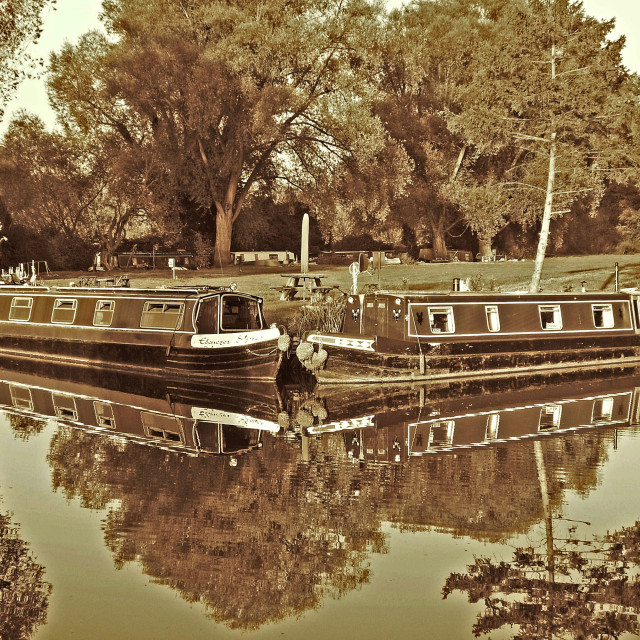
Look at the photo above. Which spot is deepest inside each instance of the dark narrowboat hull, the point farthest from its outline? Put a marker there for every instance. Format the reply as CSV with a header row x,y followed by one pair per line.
x,y
124,343
417,422
258,362
407,337
467,361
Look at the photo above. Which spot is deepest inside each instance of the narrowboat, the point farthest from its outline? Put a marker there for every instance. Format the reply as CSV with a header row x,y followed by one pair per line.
x,y
398,336
417,425
190,419
204,332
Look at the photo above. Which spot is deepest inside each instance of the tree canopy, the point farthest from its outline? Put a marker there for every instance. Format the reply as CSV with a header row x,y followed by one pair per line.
x,y
442,115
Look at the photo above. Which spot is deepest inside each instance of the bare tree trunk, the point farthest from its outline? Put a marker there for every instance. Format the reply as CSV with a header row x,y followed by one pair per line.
x,y
546,219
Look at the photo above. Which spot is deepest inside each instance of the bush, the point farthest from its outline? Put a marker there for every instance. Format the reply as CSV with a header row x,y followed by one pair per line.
x,y
326,315
202,251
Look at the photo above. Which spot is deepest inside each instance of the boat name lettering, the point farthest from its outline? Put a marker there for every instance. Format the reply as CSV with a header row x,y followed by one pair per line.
x,y
213,340
234,419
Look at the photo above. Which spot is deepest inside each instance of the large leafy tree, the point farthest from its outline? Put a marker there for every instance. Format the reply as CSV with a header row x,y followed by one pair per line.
x,y
424,61
74,186
217,99
549,82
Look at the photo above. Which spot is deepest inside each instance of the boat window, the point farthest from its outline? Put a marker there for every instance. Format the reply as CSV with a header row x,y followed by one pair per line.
x,y
441,434
20,309
550,317
441,320
208,436
21,397
64,311
550,417
602,316
158,425
493,423
602,410
234,439
162,315
103,314
240,313
104,414
493,319
65,406
207,321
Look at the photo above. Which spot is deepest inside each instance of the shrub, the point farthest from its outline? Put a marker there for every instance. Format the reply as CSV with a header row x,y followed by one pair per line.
x,y
326,315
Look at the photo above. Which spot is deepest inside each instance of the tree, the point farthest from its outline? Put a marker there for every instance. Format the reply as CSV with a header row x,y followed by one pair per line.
x,y
217,99
51,180
551,83
423,67
20,25
78,186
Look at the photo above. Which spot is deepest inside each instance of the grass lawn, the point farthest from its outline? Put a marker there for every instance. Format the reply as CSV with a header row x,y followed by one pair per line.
x,y
558,274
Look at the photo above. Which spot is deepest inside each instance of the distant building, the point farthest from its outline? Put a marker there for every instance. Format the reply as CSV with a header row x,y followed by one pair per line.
x,y
155,259
262,258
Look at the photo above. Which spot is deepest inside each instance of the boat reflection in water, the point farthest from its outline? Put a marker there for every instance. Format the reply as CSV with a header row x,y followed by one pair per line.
x,y
298,523
192,418
416,421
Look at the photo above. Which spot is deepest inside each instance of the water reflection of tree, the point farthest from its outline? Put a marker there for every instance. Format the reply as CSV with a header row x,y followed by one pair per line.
x,y
24,594
262,541
591,593
273,536
23,427
493,493
568,584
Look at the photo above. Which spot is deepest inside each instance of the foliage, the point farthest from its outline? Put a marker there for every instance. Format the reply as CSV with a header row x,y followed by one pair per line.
x,y
69,184
169,518
424,56
225,121
325,315
20,25
550,82
479,283
586,589
24,427
202,251
172,80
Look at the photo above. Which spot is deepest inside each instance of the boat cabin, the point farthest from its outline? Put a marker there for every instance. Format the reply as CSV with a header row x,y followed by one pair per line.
x,y
410,316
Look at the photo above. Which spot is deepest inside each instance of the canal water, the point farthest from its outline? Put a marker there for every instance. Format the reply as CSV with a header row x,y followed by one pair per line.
x,y
420,512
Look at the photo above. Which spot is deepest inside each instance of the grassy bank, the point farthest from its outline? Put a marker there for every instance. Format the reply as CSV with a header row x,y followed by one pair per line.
x,y
558,275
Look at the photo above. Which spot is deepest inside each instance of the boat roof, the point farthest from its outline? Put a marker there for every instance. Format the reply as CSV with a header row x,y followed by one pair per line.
x,y
125,291
506,294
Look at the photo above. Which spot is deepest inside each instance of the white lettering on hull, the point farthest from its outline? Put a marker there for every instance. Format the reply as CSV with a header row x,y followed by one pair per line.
x,y
235,339
234,419
341,341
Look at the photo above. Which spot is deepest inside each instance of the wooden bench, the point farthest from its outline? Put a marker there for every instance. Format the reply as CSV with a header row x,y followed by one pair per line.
x,y
287,292
318,293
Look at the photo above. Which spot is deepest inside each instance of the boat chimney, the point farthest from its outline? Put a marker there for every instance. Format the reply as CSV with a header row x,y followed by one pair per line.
x,y
617,277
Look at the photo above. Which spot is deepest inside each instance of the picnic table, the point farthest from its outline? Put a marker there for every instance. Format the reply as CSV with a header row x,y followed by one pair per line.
x,y
296,282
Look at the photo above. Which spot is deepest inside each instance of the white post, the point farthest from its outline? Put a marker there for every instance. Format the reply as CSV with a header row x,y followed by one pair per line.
x,y
304,245
354,270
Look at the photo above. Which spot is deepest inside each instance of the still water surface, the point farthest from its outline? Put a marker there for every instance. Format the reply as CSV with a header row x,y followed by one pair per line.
x,y
422,513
